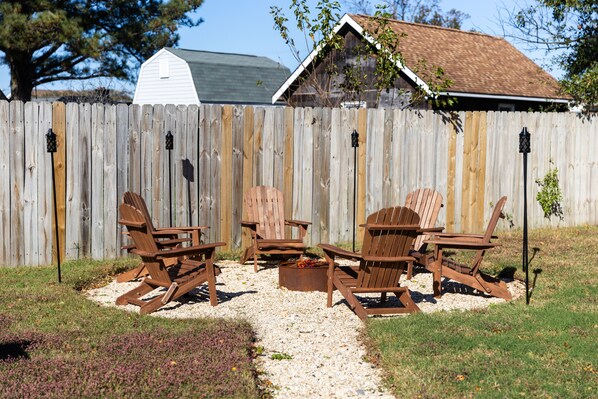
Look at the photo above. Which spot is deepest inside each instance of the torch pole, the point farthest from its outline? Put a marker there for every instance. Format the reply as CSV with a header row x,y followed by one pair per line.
x,y
169,146
525,148
354,144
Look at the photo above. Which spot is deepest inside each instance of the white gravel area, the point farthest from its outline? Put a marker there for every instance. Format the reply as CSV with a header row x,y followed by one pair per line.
x,y
322,354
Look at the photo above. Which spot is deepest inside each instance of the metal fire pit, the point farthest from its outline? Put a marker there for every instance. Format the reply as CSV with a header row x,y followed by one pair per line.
x,y
303,279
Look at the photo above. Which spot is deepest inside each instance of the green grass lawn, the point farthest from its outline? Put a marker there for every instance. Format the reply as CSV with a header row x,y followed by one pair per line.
x,y
54,343
548,349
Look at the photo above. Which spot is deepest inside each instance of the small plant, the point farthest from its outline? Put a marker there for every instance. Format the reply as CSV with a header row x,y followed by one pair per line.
x,y
550,196
280,356
259,350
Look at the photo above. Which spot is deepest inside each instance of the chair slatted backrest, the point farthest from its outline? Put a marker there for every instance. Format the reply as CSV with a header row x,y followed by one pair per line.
x,y
426,202
265,205
138,229
496,214
138,202
387,243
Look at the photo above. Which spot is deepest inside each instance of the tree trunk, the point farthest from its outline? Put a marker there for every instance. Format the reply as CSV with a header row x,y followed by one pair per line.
x,y
22,75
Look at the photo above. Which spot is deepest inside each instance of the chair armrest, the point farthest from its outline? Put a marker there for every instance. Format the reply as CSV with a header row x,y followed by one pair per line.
x,y
462,235
389,259
172,241
291,222
178,230
431,230
392,227
196,249
339,252
131,223
462,244
177,252
249,224
169,233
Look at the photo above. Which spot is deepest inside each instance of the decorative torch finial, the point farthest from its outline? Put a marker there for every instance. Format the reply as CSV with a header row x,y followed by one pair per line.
x,y
50,141
169,141
524,141
354,139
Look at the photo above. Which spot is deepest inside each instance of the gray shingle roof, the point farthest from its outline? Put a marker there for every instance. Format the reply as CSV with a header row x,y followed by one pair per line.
x,y
233,78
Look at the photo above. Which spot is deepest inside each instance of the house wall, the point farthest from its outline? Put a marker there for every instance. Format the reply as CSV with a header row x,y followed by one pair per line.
x,y
176,88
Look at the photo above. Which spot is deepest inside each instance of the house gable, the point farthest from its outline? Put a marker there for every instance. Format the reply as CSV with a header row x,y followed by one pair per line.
x,y
165,79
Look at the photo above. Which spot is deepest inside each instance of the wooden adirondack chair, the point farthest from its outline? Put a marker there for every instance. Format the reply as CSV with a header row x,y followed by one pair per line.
x,y
180,278
166,237
265,220
388,237
469,275
426,202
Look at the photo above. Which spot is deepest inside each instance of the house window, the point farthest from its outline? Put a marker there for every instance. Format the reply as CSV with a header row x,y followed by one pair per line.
x,y
164,69
353,104
506,107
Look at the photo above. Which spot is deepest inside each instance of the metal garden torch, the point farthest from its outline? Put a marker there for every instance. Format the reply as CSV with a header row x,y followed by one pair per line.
x,y
525,148
51,148
169,146
354,144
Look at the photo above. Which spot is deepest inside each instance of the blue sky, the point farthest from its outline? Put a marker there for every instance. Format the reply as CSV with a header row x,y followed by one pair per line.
x,y
246,27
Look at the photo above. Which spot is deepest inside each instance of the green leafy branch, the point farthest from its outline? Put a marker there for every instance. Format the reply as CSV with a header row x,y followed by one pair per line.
x,y
550,196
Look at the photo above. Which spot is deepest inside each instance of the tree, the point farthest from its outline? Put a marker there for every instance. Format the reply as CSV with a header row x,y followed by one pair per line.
x,y
46,41
344,73
420,11
567,30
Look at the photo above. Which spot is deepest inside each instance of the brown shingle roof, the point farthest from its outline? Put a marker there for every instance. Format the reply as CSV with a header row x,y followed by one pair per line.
x,y
476,63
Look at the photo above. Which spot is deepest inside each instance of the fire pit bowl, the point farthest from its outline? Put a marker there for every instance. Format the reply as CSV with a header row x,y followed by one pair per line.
x,y
312,277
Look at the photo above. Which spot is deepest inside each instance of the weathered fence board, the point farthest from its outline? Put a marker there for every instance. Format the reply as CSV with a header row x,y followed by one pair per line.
x,y
110,176
30,186
238,140
226,170
59,128
5,187
221,151
97,177
216,172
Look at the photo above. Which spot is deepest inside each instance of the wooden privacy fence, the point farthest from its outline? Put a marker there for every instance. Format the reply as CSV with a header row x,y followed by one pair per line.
x,y
222,150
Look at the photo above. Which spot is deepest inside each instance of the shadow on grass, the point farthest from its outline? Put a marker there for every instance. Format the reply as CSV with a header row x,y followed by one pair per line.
x,y
14,350
508,273
536,274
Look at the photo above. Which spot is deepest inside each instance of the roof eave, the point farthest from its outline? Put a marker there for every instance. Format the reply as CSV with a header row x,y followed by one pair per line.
x,y
504,97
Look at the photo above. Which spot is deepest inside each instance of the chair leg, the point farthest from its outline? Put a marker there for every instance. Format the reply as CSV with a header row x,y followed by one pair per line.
x,y
152,305
405,298
494,286
246,255
255,261
135,293
409,270
132,274
330,282
211,282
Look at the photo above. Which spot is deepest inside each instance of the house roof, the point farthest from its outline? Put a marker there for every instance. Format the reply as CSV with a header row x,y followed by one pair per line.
x,y
477,64
233,78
